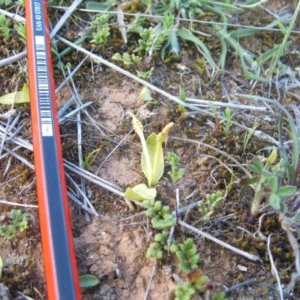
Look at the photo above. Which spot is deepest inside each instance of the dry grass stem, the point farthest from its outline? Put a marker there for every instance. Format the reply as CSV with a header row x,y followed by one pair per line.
x,y
207,103
274,269
64,18
93,178
151,279
215,149
18,204
219,242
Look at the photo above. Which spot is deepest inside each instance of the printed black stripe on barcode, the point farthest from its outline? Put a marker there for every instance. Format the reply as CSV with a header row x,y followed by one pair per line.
x,y
43,86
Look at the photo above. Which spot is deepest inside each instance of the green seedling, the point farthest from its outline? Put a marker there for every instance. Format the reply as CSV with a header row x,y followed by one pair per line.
x,y
175,173
152,161
271,176
285,42
4,27
226,121
102,33
160,37
87,161
126,58
17,222
156,248
182,94
145,74
190,9
100,20
187,255
162,220
88,281
5,2
248,136
188,258
161,217
185,291
207,206
147,39
20,28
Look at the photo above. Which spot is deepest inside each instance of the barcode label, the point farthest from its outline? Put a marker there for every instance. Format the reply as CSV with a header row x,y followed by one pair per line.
x,y
43,87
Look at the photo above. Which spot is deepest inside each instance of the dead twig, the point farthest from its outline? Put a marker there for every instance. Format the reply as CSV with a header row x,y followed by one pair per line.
x,y
295,246
18,204
199,143
150,281
274,269
241,285
219,242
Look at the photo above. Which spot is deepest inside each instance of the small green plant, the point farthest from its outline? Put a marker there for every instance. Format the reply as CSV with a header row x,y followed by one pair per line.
x,y
17,221
102,32
187,255
226,121
208,206
5,2
90,158
130,60
158,38
175,173
101,35
4,27
145,74
271,176
149,40
20,28
185,291
182,94
161,217
152,161
126,58
248,136
88,281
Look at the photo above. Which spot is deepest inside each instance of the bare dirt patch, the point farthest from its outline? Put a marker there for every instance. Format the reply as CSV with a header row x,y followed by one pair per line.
x,y
118,258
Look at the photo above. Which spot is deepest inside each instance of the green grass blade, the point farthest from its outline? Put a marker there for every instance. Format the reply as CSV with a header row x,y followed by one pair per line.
x,y
188,36
283,45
